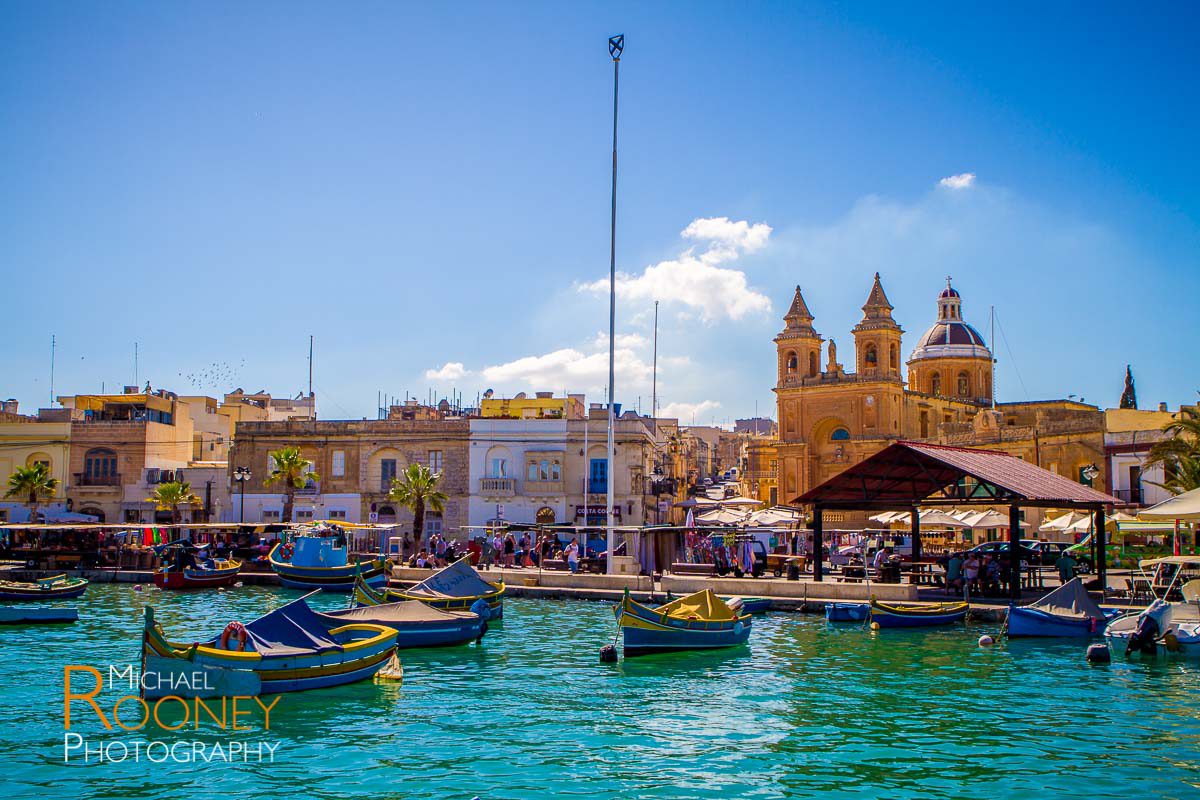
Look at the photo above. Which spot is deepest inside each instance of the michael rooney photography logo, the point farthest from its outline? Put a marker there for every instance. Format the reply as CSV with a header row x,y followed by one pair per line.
x,y
125,714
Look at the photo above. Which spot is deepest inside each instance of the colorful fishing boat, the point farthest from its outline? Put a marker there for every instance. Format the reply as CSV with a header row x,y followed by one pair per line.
x,y
182,569
700,621
748,605
291,649
321,560
847,612
457,587
1066,611
20,615
916,615
417,624
57,587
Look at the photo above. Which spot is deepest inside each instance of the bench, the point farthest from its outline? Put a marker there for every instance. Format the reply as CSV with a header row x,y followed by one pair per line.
x,y
554,564
685,568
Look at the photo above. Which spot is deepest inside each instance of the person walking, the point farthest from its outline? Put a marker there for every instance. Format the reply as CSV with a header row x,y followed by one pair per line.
x,y
572,555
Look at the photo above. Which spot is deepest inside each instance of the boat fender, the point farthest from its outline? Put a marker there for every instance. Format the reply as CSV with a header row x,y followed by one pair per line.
x,y
608,654
985,641
234,629
1098,654
738,627
137,587
481,608
285,551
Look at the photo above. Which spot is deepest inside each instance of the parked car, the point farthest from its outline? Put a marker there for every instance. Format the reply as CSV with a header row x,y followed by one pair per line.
x,y
1028,554
1050,552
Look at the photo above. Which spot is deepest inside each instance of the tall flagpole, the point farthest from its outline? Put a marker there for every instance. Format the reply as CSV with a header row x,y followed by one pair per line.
x,y
616,45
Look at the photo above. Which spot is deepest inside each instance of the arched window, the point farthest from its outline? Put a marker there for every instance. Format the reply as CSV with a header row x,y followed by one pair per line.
x,y
793,364
964,385
812,365
935,384
545,516
894,358
872,358
387,514
839,435
100,467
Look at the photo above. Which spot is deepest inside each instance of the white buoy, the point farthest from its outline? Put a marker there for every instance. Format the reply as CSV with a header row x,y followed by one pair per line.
x,y
986,641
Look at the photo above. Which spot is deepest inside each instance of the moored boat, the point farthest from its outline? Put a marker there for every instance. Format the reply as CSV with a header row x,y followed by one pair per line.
x,y
185,571
1163,629
847,612
1066,611
457,587
57,587
290,649
748,605
699,621
19,615
916,615
321,560
417,624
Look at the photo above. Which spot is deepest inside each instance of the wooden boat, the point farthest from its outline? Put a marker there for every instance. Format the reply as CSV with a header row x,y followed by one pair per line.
x,y
18,615
184,572
291,649
699,621
321,561
847,612
1066,611
417,624
57,587
916,615
457,587
748,605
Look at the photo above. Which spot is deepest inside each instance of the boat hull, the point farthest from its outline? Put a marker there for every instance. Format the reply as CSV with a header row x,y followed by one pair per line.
x,y
645,630
912,615
16,615
847,612
375,594
330,579
1024,622
751,605
466,628
64,590
195,578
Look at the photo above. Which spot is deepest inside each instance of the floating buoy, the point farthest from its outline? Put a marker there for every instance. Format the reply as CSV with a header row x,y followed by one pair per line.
x,y
391,672
986,641
238,585
1098,654
874,626
137,587
608,654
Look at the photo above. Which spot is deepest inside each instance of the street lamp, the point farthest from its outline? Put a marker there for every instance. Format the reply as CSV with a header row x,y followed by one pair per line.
x,y
616,45
242,475
1090,472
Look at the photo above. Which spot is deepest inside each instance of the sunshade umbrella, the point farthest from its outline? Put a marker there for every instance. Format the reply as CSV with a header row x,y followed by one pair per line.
x,y
741,501
1184,506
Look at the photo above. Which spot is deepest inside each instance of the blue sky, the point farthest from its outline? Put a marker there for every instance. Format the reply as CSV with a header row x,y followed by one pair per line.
x,y
425,189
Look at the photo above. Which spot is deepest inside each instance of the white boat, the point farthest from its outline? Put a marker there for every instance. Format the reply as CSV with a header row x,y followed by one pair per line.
x,y
1166,628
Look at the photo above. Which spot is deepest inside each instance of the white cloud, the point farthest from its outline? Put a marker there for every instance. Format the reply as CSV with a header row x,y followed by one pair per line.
x,y
572,370
687,413
697,280
450,371
963,180
626,340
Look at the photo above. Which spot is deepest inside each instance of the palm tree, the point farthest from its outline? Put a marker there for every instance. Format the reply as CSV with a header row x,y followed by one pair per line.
x,y
170,496
34,484
417,489
1179,455
292,470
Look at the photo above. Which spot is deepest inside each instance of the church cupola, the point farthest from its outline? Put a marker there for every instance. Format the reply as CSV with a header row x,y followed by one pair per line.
x,y
877,337
951,359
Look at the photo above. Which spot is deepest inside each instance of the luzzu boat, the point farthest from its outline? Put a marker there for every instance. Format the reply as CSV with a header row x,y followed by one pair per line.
x,y
916,615
847,612
321,560
57,587
748,605
457,587
291,649
417,624
186,573
700,621
18,615
1066,611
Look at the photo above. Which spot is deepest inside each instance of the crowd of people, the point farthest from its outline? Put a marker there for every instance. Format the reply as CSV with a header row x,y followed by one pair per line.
x,y
500,549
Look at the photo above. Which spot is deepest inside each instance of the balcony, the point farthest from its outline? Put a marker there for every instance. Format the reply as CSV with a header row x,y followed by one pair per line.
x,y
543,487
310,488
1133,496
498,487
83,479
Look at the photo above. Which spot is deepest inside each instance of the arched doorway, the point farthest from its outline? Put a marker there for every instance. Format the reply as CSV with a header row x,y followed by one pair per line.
x,y
545,516
93,512
387,514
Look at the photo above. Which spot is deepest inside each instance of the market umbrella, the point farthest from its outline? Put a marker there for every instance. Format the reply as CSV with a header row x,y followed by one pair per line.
x,y
693,502
741,501
1065,522
1184,506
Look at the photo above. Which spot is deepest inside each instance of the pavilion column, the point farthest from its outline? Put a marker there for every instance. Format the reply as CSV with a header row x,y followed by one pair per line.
x,y
1101,553
818,522
1014,551
916,535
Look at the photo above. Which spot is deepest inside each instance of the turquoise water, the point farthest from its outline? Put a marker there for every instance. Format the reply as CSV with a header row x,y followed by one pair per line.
x,y
807,710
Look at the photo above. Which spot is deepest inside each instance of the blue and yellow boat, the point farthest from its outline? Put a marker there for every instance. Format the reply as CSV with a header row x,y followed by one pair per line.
x,y
57,587
916,615
700,621
291,649
457,587
321,560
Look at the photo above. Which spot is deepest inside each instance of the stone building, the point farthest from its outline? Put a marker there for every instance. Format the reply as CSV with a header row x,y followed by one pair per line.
x,y
831,417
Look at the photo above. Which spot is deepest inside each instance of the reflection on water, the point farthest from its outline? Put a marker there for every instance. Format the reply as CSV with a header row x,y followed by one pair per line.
x,y
808,709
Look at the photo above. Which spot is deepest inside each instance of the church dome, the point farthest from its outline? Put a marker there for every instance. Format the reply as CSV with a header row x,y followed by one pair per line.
x,y
950,337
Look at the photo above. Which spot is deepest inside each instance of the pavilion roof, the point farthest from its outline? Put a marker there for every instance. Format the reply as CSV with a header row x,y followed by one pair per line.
x,y
905,474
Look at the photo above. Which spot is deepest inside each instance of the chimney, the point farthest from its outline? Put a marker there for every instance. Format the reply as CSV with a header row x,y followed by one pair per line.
x,y
1161,407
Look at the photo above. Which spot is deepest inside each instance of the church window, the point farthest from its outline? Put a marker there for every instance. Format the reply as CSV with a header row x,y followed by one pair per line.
x,y
792,363
839,435
894,358
964,385
871,358
935,383
812,365
924,424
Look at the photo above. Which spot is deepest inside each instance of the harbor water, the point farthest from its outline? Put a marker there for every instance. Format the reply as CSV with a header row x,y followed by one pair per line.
x,y
807,710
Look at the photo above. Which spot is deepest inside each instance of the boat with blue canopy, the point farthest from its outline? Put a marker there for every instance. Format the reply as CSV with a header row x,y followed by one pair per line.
x,y
699,621
457,587
320,559
290,649
916,615
417,624
1066,611
185,566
